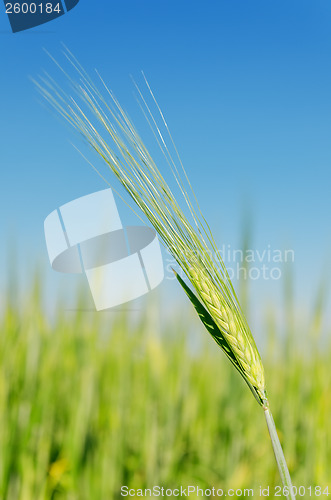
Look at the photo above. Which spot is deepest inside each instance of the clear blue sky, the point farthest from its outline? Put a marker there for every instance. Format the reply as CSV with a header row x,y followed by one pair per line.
x,y
246,89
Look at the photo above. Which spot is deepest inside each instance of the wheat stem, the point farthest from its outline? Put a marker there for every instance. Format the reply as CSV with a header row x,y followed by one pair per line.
x,y
279,455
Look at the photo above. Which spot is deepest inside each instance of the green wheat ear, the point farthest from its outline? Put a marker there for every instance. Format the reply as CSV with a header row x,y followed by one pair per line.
x,y
105,126
243,354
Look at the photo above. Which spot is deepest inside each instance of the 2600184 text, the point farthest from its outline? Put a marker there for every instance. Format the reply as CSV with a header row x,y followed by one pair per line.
x,y
33,8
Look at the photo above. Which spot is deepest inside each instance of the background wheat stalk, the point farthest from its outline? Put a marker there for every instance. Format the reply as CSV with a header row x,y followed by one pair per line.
x,y
103,123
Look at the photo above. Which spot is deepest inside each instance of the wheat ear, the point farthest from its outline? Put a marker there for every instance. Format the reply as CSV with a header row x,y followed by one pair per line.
x,y
105,126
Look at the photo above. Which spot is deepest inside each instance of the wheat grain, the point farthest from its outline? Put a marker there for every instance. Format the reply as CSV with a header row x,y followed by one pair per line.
x,y
230,325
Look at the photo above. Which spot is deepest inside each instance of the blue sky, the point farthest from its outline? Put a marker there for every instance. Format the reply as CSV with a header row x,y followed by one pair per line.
x,y
245,86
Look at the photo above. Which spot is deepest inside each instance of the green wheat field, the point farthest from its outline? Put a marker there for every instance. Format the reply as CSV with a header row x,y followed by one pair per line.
x,y
93,401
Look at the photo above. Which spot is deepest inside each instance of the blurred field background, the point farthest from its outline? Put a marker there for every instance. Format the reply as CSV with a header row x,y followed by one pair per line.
x,y
90,402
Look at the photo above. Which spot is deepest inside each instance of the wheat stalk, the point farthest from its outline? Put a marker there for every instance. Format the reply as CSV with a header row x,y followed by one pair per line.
x,y
105,126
